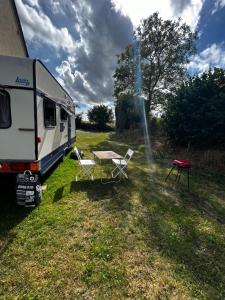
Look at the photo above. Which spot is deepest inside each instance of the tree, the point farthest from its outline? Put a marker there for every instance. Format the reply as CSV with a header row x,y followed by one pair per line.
x,y
166,46
100,114
79,120
128,112
195,114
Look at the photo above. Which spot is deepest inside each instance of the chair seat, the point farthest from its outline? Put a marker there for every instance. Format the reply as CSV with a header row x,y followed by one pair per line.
x,y
119,162
87,162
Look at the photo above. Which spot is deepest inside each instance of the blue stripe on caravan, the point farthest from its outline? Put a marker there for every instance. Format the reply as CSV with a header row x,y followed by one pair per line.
x,y
52,158
49,160
72,141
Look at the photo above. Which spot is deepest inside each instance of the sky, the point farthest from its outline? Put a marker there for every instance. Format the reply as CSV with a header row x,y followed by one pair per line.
x,y
78,40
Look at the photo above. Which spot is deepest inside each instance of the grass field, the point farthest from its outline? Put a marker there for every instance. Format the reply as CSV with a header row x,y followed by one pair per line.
x,y
141,238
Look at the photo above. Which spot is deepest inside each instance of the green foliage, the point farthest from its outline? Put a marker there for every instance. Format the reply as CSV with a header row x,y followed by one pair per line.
x,y
100,114
79,120
196,112
165,48
156,125
128,112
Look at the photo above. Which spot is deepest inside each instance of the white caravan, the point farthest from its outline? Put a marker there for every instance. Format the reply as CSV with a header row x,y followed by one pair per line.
x,y
37,117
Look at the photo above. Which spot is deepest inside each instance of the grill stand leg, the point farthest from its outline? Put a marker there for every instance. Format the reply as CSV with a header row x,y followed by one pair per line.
x,y
177,176
169,173
188,178
180,170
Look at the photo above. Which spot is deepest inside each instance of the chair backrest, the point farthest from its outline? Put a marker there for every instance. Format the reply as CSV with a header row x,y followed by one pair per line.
x,y
128,155
77,153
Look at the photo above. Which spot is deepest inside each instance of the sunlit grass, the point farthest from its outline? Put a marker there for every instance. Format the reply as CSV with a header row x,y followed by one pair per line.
x,y
138,239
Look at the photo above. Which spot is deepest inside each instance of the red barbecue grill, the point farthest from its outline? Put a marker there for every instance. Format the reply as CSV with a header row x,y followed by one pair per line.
x,y
180,165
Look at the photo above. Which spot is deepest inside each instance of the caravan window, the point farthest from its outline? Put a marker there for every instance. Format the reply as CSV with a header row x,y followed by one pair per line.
x,y
49,113
5,113
63,114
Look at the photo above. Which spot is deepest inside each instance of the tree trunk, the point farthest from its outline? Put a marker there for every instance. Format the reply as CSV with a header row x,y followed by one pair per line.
x,y
148,106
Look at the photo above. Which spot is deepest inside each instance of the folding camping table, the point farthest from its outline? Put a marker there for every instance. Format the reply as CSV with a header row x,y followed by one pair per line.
x,y
106,155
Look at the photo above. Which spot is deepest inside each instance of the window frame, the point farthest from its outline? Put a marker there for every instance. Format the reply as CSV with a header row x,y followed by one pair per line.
x,y
10,113
62,119
45,100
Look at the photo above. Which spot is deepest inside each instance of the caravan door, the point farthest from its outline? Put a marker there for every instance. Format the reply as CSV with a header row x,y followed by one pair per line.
x,y
17,126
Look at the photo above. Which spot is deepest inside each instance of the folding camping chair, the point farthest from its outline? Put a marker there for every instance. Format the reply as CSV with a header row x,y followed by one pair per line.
x,y
86,166
121,164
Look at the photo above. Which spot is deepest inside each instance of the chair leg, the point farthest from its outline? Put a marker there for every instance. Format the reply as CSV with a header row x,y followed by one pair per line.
x,y
79,174
88,173
112,172
85,171
121,172
124,173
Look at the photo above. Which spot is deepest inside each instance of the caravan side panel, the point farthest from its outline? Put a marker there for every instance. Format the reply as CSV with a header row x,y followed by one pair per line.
x,y
46,83
54,139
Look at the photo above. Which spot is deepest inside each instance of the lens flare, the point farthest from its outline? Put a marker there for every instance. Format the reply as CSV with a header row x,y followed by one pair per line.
x,y
141,99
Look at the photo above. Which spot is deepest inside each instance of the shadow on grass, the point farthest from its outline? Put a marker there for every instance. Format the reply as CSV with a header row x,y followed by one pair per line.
x,y
113,196
203,186
184,228
10,213
58,194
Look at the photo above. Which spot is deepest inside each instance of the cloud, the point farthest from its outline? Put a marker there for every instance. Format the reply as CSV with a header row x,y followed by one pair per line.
x,y
33,3
140,9
75,81
90,33
191,12
63,7
87,72
38,26
218,5
188,10
213,56
56,7
180,5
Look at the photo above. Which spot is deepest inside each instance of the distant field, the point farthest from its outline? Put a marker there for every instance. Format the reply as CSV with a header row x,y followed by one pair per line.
x,y
141,238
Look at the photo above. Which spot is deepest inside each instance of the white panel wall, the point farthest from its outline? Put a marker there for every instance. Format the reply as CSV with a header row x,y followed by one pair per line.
x,y
14,143
16,71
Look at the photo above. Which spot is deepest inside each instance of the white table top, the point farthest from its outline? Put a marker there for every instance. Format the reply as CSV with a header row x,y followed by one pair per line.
x,y
107,155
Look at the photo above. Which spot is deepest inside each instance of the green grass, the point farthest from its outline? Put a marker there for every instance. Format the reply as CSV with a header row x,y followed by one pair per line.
x,y
141,238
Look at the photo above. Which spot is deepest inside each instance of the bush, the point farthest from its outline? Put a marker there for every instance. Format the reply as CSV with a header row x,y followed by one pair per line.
x,y
87,126
195,115
101,115
155,125
79,121
129,112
